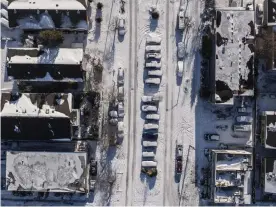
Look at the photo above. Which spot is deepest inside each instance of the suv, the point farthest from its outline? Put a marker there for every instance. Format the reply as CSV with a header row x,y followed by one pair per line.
x,y
211,137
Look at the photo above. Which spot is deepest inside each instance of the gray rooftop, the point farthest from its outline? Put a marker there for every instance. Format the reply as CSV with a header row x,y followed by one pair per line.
x,y
46,171
233,51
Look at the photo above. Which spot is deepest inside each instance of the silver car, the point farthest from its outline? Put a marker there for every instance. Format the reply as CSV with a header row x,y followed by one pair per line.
x,y
244,119
155,81
153,55
181,50
153,64
121,27
147,108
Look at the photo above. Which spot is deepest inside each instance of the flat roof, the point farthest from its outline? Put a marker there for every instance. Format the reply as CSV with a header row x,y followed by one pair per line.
x,y
47,4
46,171
270,130
271,15
36,105
233,54
270,175
65,56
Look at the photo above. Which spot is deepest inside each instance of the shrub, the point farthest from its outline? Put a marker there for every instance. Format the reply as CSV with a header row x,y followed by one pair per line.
x,y
51,38
99,6
99,19
155,15
152,172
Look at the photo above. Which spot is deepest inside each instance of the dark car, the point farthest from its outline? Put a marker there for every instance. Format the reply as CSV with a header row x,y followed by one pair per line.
x,y
178,163
150,136
178,166
93,168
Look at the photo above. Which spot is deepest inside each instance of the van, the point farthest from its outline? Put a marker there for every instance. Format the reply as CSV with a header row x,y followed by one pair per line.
x,y
149,144
148,154
211,137
149,164
242,128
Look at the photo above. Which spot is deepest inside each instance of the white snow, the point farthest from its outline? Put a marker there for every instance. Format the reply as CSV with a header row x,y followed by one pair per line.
x,y
46,21
47,4
51,56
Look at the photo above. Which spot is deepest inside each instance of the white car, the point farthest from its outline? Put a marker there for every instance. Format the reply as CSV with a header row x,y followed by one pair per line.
x,y
153,48
113,114
150,126
120,93
148,154
153,55
153,39
120,130
155,117
121,26
181,21
242,128
147,108
155,73
149,144
244,119
155,81
149,164
154,98
121,76
180,69
181,50
121,111
153,64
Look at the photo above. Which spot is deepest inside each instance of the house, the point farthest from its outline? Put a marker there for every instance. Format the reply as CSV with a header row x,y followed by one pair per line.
x,y
39,66
46,171
231,175
49,14
31,116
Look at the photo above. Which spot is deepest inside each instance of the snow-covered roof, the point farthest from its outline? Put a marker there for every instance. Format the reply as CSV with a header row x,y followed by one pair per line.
x,y
233,51
66,56
46,171
47,4
27,105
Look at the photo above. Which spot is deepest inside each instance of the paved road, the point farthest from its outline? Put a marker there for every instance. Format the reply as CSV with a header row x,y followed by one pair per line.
x,y
131,103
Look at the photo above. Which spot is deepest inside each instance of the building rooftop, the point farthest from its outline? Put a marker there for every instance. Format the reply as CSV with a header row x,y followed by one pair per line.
x,y
62,64
32,14
46,171
23,114
234,53
270,129
231,176
271,12
270,175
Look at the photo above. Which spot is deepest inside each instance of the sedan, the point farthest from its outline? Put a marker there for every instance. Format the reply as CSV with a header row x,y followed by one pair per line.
x,y
153,64
153,55
147,108
122,27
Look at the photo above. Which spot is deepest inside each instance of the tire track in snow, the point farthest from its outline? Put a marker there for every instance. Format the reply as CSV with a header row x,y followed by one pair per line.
x,y
131,118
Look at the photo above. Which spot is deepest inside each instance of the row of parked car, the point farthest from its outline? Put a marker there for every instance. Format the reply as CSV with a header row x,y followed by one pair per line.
x,y
117,112
150,103
153,60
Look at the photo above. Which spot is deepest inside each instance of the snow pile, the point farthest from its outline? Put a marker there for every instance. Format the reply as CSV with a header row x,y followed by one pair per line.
x,y
66,22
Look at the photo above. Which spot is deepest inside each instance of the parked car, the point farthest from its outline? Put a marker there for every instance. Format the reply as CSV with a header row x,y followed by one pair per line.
x,y
153,48
149,164
178,163
120,93
121,110
151,126
158,73
120,130
272,96
149,108
243,110
180,69
148,154
155,117
93,167
244,119
154,98
92,185
181,50
121,26
155,81
113,121
211,137
113,114
153,39
222,127
242,128
153,64
181,21
153,55
120,76
149,144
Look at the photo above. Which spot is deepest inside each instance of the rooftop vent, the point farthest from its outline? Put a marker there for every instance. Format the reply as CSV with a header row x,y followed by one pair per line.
x,y
56,5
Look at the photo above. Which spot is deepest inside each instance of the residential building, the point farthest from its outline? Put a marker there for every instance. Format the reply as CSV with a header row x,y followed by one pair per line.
x,y
268,131
231,177
47,171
